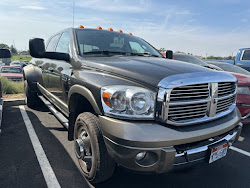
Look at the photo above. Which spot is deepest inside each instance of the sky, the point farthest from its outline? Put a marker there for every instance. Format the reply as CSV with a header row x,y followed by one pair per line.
x,y
204,28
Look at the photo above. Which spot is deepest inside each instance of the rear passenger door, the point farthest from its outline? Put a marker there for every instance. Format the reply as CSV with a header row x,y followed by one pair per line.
x,y
46,64
60,70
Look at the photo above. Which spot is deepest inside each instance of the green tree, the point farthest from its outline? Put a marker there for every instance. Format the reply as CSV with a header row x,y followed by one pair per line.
x,y
162,50
13,49
4,46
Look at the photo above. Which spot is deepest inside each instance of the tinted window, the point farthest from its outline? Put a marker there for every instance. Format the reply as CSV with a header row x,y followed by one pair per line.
x,y
63,44
246,55
52,43
189,59
232,68
100,40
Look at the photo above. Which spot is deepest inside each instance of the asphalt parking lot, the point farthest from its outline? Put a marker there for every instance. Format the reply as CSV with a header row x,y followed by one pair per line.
x,y
23,166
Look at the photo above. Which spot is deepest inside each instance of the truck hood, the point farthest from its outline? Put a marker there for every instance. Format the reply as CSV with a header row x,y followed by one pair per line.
x,y
149,70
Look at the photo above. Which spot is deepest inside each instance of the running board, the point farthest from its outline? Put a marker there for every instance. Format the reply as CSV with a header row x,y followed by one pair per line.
x,y
63,120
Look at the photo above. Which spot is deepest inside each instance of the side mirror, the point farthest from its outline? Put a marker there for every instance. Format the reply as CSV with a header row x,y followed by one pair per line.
x,y
37,49
5,53
169,54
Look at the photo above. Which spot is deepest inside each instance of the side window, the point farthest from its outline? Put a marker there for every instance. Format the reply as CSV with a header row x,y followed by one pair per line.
x,y
136,47
246,55
63,44
52,43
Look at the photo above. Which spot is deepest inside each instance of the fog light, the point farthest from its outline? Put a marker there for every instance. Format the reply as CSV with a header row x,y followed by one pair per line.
x,y
140,155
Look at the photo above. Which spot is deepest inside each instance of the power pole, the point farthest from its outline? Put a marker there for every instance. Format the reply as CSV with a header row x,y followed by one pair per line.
x,y
73,13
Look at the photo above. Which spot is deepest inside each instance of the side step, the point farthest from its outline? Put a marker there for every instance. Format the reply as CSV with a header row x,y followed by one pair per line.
x,y
63,120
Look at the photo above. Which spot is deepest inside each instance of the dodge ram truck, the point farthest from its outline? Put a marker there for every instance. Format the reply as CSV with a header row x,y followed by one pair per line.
x,y
124,103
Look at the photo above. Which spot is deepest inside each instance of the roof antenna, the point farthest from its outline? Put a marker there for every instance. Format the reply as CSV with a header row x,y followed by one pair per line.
x,y
73,13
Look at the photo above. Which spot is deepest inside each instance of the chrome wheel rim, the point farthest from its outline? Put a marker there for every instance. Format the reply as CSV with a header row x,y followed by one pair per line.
x,y
83,150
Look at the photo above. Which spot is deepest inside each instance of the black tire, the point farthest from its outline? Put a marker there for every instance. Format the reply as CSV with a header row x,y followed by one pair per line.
x,y
31,98
90,149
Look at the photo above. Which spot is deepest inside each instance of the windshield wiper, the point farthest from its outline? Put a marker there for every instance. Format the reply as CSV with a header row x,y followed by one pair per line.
x,y
144,54
106,52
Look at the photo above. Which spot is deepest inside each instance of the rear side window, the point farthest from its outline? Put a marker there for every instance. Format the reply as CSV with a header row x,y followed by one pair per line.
x,y
52,43
246,55
63,44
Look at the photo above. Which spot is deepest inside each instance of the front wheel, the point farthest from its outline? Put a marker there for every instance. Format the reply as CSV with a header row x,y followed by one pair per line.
x,y
91,152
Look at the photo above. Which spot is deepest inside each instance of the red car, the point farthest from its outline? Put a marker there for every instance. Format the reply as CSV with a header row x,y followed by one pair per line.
x,y
243,90
12,73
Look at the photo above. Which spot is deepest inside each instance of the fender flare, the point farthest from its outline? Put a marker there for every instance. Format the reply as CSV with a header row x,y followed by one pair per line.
x,y
85,92
33,75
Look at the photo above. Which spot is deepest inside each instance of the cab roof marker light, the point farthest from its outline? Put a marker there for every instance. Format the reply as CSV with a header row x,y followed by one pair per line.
x,y
120,31
99,27
110,29
80,26
130,33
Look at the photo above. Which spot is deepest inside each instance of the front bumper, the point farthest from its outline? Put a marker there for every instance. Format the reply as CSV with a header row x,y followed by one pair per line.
x,y
165,147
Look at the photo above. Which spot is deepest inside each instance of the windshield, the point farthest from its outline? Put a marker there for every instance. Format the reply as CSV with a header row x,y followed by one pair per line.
x,y
94,42
10,70
232,68
189,59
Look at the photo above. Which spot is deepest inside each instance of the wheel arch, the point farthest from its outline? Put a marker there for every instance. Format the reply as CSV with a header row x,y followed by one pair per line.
x,y
80,99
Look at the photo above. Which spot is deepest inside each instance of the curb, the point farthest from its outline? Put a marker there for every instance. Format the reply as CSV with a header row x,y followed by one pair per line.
x,y
14,102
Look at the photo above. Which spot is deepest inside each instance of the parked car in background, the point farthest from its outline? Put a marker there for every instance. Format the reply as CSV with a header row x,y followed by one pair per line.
x,y
16,64
12,73
191,59
242,59
243,90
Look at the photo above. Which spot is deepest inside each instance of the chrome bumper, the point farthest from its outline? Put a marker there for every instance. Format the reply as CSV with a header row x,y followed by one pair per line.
x,y
200,153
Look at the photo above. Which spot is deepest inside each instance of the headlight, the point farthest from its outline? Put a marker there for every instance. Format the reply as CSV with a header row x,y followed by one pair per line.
x,y
243,90
128,102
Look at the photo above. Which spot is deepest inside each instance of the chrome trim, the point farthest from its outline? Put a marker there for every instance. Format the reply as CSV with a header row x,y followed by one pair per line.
x,y
211,78
199,153
246,116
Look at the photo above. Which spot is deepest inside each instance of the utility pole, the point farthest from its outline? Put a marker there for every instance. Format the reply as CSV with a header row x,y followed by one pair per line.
x,y
73,13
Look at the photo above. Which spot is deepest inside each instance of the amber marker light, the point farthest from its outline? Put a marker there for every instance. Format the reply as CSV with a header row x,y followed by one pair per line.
x,y
80,26
100,28
120,31
110,29
105,97
130,33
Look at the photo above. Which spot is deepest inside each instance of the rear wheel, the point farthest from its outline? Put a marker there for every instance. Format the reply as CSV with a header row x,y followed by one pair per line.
x,y
31,98
90,149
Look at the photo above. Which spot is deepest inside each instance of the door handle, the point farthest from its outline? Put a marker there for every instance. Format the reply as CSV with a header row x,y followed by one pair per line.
x,y
51,69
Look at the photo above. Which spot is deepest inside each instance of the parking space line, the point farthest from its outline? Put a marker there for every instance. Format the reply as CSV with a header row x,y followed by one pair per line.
x,y
47,170
240,151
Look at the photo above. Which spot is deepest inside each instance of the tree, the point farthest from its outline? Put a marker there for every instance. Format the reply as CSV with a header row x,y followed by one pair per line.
x,y
13,49
162,50
4,46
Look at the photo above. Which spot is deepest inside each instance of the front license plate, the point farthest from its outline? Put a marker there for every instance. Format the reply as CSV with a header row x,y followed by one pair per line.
x,y
218,151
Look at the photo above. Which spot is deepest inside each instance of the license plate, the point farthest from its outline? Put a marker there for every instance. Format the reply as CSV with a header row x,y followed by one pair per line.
x,y
218,151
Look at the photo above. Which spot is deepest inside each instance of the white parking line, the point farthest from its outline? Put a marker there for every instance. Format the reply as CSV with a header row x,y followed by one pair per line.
x,y
240,151
47,170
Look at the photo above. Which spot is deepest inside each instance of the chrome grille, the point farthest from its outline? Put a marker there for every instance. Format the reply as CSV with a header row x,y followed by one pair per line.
x,y
190,92
187,111
226,88
224,104
195,103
